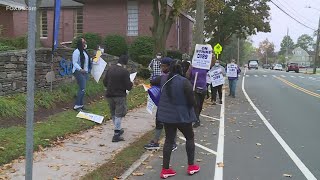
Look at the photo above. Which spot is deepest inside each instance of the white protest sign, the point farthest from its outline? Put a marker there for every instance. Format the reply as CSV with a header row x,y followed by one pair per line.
x,y
232,70
133,76
216,77
98,69
202,56
91,117
150,105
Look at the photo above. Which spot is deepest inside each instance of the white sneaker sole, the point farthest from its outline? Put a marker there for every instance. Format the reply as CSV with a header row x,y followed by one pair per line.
x,y
193,172
152,148
167,175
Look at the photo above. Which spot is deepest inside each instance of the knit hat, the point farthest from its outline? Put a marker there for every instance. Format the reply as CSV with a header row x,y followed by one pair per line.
x,y
166,60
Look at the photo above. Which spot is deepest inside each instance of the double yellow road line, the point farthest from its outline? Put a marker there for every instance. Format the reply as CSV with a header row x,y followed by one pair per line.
x,y
298,87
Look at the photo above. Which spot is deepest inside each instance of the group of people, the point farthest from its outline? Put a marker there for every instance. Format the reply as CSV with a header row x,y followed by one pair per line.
x,y
183,91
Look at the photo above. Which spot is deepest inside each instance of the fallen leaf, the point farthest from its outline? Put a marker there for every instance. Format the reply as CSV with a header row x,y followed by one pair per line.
x,y
237,130
148,167
13,170
144,163
257,157
40,148
161,157
258,144
101,145
287,175
239,137
199,160
220,164
207,144
113,162
7,166
138,174
250,125
2,148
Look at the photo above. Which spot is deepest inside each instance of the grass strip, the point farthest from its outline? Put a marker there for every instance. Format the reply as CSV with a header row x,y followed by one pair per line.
x,y
15,105
122,161
13,139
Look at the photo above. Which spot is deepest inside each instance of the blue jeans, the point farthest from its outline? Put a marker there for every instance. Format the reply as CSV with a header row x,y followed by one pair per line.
x,y
82,81
232,87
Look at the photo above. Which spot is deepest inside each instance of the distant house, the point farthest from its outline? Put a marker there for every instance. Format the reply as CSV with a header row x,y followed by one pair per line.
x,y
132,18
71,20
302,57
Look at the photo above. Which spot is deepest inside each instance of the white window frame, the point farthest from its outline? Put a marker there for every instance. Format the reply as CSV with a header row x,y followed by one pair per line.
x,y
78,20
133,18
42,34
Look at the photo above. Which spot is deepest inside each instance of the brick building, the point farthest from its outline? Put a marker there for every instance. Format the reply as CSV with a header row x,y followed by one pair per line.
x,y
129,18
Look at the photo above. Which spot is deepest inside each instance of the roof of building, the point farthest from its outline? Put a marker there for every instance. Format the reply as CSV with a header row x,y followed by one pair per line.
x,y
10,3
50,3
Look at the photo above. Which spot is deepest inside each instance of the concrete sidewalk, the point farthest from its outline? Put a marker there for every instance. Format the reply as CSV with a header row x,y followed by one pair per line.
x,y
79,154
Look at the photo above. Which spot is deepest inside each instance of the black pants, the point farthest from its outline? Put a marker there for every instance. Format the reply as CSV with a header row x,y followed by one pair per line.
x,y
171,131
199,97
214,91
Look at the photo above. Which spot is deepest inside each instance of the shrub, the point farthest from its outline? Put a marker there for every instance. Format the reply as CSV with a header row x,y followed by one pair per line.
x,y
6,48
144,60
17,43
143,45
93,40
115,45
143,73
174,54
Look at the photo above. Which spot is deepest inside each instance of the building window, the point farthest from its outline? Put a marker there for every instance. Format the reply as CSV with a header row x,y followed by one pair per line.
x,y
43,24
133,15
78,22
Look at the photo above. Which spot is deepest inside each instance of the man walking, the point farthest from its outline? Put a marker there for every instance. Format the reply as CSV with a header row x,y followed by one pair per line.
x,y
233,72
117,81
219,72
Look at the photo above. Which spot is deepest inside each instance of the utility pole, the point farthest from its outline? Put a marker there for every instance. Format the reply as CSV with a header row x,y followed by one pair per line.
x,y
32,26
287,49
199,37
317,50
238,61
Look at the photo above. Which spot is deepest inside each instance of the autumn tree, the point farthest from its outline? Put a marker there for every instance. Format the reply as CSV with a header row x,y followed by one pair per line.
x,y
266,51
163,18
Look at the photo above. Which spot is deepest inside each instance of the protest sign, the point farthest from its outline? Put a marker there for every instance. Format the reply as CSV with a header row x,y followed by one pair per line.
x,y
232,70
98,69
133,76
150,105
91,117
216,77
202,56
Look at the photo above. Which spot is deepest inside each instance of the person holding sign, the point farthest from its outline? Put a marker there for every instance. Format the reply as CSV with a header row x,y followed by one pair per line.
x,y
233,72
117,81
217,74
82,64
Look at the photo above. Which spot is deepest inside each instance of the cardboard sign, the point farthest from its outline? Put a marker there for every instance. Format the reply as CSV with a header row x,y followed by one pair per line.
x,y
98,69
91,117
216,77
202,56
133,76
150,105
232,70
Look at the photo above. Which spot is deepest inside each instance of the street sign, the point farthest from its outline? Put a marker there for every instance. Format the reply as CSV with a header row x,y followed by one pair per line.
x,y
217,49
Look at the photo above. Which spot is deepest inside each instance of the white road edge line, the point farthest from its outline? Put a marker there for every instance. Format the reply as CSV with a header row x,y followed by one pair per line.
x,y
135,165
218,173
217,119
307,173
200,146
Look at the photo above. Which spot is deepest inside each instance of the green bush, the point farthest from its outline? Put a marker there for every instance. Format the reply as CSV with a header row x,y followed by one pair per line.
x,y
144,60
115,45
143,73
93,40
17,43
143,45
6,48
174,54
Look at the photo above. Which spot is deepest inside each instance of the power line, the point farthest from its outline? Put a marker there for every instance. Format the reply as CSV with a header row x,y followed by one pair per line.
x,y
292,17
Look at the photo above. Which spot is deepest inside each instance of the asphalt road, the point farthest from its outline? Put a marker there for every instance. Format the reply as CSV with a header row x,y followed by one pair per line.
x,y
280,138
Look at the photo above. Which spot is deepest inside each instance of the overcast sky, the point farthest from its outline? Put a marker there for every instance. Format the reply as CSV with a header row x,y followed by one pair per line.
x,y
280,21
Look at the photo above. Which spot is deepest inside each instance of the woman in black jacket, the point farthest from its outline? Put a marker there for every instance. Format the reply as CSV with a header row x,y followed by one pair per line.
x,y
176,111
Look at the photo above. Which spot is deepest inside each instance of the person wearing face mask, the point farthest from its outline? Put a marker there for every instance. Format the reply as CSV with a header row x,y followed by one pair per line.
x,y
154,66
218,88
82,64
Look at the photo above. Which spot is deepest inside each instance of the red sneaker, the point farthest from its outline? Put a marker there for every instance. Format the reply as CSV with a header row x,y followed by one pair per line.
x,y
193,169
165,173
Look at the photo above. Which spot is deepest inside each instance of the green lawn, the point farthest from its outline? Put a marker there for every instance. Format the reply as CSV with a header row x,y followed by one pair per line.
x,y
12,140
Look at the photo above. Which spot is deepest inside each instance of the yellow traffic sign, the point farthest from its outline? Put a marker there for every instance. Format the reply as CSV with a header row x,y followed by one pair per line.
x,y
217,48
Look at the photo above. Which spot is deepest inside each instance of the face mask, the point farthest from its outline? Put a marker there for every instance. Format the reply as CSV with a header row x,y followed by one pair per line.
x,y
158,57
85,46
216,64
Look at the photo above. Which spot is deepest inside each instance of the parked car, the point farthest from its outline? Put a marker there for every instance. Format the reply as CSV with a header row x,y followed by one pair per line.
x,y
292,67
266,66
253,64
278,67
